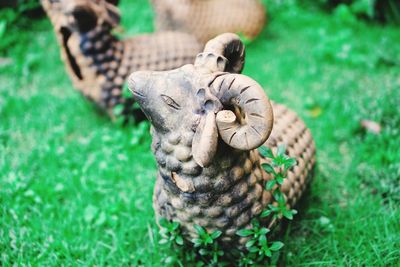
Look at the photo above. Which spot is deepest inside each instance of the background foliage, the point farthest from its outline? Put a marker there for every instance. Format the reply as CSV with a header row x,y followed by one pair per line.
x,y
75,188
381,10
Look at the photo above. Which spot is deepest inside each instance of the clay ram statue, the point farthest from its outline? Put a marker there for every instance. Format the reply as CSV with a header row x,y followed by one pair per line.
x,y
98,62
207,18
207,123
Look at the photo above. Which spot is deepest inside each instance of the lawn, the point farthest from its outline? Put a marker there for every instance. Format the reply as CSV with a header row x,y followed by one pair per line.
x,y
76,188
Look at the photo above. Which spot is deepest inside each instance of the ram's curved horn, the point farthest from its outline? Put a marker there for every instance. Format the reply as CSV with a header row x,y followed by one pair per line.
x,y
226,52
247,120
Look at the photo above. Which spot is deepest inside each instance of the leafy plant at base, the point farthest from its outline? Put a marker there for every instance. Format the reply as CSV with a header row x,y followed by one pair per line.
x,y
280,164
172,239
258,245
170,232
207,245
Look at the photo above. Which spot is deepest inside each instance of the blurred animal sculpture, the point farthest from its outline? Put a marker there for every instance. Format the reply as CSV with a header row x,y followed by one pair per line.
x,y
207,18
207,121
98,62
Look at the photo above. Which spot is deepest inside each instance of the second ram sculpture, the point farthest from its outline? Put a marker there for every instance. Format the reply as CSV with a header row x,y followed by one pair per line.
x,y
207,123
98,61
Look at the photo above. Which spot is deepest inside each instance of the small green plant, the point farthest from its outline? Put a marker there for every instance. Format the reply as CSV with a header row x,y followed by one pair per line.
x,y
245,260
172,241
280,164
171,233
258,243
207,245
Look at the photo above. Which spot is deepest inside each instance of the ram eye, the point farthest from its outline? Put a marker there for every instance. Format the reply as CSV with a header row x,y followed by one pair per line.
x,y
170,102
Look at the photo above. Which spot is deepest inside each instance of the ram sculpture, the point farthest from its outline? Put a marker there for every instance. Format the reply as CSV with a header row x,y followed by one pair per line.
x,y
98,62
207,123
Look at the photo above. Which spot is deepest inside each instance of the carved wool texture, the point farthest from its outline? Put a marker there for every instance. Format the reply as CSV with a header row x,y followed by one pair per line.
x,y
230,192
98,62
208,18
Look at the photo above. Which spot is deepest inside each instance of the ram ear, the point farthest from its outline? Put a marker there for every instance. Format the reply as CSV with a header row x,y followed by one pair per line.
x,y
113,15
205,140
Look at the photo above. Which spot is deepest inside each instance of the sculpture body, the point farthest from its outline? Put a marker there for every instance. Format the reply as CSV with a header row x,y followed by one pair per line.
x,y
98,62
207,122
208,18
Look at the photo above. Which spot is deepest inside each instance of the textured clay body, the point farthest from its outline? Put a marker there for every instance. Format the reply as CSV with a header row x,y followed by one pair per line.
x,y
98,62
207,123
208,18
227,194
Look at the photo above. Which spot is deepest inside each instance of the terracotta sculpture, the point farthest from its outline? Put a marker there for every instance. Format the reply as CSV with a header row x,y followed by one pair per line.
x,y
208,18
98,62
207,121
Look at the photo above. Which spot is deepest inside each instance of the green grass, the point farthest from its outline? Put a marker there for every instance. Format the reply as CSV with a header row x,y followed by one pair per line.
x,y
76,189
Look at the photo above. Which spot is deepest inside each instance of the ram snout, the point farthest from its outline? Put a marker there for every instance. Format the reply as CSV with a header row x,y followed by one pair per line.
x,y
138,83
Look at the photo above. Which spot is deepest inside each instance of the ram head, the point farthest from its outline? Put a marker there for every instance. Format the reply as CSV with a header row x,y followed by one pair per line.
x,y
209,99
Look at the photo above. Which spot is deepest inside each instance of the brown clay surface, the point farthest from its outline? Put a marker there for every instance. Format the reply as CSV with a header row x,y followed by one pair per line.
x,y
208,18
